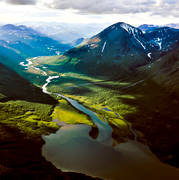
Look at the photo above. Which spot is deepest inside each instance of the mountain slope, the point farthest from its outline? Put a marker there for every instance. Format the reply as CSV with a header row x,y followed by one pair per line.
x,y
28,42
13,86
77,42
120,46
165,71
165,39
24,117
9,56
149,101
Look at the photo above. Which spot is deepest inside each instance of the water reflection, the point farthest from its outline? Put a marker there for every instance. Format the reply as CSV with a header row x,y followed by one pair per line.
x,y
72,149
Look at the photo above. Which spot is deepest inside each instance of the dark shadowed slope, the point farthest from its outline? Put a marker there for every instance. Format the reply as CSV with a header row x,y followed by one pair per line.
x,y
165,71
13,86
24,117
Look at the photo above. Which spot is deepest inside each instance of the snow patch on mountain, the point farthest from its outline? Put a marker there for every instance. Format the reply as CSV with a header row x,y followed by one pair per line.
x,y
104,45
149,55
159,43
140,43
134,32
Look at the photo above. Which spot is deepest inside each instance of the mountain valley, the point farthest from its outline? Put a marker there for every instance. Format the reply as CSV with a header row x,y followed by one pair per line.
x,y
124,77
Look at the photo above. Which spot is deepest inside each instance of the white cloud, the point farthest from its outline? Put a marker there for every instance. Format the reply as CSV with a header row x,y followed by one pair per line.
x,y
161,7
158,2
102,7
22,2
134,12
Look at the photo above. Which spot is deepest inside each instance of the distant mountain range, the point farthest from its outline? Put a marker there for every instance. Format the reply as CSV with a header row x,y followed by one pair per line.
x,y
28,42
20,42
117,49
173,25
67,33
149,27
122,47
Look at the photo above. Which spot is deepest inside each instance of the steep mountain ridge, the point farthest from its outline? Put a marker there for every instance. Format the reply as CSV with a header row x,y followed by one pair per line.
x,y
164,38
122,48
120,45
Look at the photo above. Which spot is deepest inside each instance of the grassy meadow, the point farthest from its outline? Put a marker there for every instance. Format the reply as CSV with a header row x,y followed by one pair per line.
x,y
64,112
146,106
139,102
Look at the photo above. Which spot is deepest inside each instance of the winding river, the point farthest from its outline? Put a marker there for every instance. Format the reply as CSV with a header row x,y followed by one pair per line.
x,y
72,149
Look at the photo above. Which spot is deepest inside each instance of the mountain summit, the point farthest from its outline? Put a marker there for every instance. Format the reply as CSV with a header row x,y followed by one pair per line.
x,y
122,48
120,45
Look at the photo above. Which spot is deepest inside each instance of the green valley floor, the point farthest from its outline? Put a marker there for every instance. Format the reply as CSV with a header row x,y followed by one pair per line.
x,y
141,103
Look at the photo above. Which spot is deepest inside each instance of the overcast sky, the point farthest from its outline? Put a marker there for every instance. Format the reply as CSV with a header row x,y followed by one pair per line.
x,y
134,12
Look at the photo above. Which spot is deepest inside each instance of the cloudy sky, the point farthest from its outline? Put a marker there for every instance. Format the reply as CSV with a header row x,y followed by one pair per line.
x,y
134,12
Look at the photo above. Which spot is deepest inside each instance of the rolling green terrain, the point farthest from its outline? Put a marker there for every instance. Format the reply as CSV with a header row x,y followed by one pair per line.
x,y
65,113
151,110
25,115
143,102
